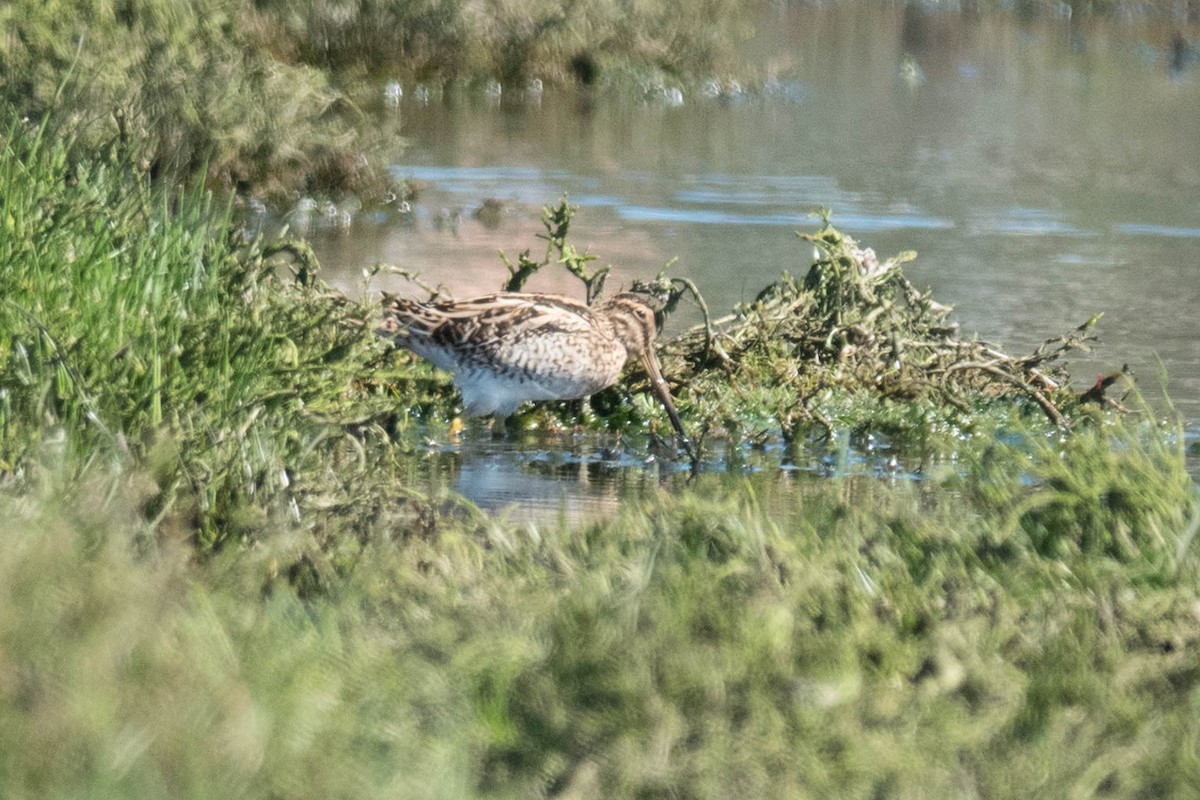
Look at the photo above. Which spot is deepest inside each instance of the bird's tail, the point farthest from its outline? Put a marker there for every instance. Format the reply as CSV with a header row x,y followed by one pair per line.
x,y
401,318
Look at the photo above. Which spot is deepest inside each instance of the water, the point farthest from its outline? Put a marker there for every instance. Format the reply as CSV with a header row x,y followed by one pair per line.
x,y
579,477
1043,170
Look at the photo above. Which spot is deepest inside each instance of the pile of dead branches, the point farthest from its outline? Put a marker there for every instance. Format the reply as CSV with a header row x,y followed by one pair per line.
x,y
856,322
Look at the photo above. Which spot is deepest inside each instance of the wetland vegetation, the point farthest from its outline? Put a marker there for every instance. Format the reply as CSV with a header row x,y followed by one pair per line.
x,y
218,579
279,97
276,99
224,571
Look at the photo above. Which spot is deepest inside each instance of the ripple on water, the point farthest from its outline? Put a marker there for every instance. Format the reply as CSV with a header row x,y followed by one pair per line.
x,y
576,478
1158,230
708,199
1027,222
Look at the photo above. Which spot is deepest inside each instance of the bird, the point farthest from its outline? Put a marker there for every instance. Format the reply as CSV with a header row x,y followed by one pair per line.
x,y
508,348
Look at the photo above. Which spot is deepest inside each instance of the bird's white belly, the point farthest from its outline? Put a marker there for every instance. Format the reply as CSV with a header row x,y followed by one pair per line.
x,y
486,392
542,368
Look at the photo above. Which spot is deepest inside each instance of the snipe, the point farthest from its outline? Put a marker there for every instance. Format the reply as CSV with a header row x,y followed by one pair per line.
x,y
504,349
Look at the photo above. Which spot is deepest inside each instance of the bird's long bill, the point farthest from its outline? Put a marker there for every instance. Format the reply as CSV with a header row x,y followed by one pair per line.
x,y
650,362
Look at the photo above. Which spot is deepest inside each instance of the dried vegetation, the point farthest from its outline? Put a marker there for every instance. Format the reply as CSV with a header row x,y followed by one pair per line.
x,y
857,324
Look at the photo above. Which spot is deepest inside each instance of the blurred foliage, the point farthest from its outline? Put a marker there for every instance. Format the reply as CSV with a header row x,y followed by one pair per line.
x,y
274,97
185,85
467,40
279,97
849,638
216,579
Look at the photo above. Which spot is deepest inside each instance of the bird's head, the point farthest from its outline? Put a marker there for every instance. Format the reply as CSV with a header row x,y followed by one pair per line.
x,y
634,320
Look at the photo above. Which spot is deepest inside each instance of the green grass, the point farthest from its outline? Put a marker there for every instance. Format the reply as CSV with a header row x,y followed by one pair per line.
x,y
280,98
187,85
137,327
855,640
217,581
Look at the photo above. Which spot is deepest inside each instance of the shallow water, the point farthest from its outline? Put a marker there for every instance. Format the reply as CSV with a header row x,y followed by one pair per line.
x,y
579,477
1043,170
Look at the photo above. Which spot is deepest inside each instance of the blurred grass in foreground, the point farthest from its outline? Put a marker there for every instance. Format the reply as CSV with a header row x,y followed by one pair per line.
x,y
215,583
861,641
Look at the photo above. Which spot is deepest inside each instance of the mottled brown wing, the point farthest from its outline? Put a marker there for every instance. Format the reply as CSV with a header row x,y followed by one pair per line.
x,y
556,343
553,342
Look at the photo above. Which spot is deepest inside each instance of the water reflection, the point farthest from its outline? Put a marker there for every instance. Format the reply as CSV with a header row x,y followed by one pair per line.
x,y
574,479
579,478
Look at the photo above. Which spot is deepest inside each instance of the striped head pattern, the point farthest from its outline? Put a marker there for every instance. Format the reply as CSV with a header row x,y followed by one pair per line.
x,y
633,320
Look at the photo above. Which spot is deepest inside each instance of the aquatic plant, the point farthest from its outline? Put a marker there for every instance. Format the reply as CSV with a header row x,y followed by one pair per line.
x,y
855,345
